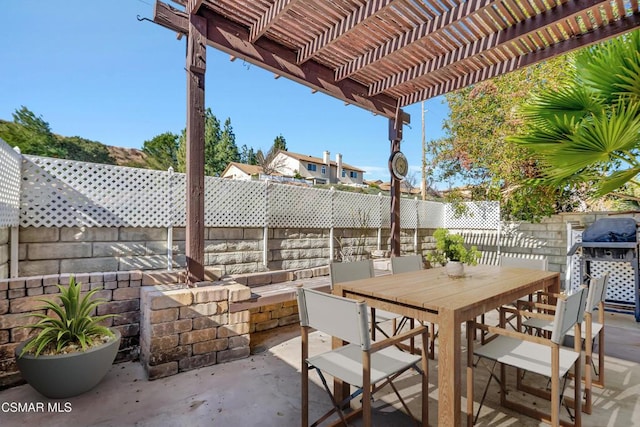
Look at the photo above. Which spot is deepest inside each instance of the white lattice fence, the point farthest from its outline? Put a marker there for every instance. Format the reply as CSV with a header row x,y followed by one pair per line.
x,y
478,215
63,193
298,207
10,166
58,193
232,203
352,210
430,214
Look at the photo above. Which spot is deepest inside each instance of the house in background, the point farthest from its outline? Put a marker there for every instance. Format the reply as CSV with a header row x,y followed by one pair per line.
x,y
242,171
318,170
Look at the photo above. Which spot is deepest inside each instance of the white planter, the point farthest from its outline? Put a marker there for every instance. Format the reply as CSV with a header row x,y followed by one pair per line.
x,y
454,269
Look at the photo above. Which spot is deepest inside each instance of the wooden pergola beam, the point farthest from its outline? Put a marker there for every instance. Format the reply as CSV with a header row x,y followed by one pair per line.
x,y
196,68
492,42
233,39
341,28
597,35
193,6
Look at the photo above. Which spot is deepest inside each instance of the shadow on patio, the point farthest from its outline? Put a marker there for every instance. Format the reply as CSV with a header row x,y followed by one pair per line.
x,y
264,390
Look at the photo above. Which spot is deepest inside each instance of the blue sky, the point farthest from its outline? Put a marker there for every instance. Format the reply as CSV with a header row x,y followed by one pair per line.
x,y
91,69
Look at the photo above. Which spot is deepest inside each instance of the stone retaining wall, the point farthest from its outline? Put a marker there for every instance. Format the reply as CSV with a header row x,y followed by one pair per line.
x,y
122,290
273,316
20,297
4,252
184,329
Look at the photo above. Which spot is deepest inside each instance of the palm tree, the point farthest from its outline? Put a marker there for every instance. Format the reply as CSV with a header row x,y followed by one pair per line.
x,y
588,131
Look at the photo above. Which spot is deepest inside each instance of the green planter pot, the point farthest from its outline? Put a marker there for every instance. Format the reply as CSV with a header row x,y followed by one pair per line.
x,y
68,375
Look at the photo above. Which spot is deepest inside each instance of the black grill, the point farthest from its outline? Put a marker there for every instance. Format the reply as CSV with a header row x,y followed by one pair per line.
x,y
610,239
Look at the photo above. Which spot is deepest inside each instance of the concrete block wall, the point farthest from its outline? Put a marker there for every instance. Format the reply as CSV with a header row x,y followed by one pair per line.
x,y
51,250
272,316
4,252
188,328
240,250
20,297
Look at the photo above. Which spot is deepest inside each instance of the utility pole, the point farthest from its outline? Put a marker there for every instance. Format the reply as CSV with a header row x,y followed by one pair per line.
x,y
424,158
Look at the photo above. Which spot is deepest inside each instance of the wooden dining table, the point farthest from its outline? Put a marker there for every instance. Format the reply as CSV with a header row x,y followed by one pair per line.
x,y
432,296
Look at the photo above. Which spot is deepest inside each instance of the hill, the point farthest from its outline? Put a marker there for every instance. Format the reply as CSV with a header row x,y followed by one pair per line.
x,y
128,157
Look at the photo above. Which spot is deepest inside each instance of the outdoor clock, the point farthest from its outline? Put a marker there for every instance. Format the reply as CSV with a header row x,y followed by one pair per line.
x,y
398,165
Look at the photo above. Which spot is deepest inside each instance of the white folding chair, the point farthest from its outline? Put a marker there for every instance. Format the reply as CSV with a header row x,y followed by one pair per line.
x,y
357,270
517,262
546,357
406,264
589,329
362,363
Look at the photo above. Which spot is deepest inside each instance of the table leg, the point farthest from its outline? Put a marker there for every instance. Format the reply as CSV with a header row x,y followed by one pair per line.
x,y
470,330
449,378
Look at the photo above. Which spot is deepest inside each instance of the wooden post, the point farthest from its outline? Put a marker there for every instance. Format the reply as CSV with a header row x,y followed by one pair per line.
x,y
395,136
196,67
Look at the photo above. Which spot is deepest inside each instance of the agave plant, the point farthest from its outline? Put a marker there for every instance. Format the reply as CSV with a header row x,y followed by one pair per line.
x,y
72,322
589,130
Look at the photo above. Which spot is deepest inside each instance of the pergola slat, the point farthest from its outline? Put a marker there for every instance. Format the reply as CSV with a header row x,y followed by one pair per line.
x,y
521,31
279,8
612,30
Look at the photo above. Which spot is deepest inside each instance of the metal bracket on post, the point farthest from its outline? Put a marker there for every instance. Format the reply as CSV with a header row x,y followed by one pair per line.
x,y
380,226
331,230
265,246
415,234
13,256
170,227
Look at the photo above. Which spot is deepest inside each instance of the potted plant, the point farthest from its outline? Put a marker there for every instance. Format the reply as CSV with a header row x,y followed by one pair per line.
x,y
451,252
72,351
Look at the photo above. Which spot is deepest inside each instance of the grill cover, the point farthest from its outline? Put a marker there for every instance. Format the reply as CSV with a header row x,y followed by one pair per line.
x,y
619,230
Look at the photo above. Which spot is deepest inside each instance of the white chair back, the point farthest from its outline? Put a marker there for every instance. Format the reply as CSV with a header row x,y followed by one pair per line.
x,y
350,271
569,311
405,264
597,292
531,263
340,317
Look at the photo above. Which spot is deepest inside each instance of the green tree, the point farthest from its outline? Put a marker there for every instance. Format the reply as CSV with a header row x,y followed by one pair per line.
x,y
219,146
586,133
31,134
162,151
226,149
248,155
279,143
475,151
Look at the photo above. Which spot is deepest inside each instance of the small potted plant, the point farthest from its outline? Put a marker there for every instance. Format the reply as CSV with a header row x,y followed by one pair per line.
x,y
451,252
72,351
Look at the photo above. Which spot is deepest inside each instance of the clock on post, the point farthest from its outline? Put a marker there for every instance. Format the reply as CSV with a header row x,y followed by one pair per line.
x,y
398,165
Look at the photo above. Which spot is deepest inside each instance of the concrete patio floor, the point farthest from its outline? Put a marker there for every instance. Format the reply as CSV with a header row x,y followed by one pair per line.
x,y
264,390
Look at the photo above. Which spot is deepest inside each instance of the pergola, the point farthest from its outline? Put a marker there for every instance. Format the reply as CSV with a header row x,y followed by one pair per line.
x,y
381,55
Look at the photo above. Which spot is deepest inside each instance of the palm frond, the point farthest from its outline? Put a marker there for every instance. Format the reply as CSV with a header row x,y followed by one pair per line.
x,y
616,180
570,104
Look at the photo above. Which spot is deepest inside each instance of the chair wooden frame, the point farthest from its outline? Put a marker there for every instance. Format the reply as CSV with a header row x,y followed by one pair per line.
x,y
516,262
517,349
362,362
589,330
407,264
356,270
